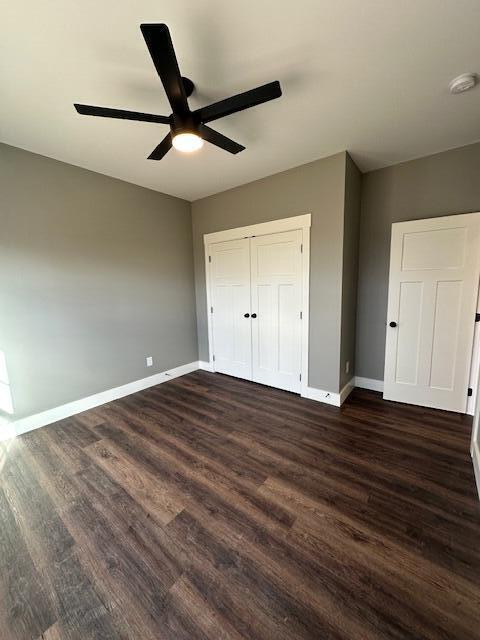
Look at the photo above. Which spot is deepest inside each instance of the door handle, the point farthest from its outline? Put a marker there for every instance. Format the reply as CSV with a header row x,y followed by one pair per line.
x,y
254,315
393,324
246,315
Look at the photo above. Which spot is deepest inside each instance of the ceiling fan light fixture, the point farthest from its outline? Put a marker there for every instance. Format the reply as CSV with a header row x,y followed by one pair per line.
x,y
187,142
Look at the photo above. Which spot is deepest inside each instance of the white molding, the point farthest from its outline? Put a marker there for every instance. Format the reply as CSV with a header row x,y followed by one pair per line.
x,y
475,451
260,229
209,307
16,428
205,366
369,383
304,331
329,397
347,390
303,223
475,365
320,395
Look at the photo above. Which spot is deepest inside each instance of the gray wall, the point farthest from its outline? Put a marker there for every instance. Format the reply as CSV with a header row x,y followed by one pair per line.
x,y
350,269
316,188
442,184
95,274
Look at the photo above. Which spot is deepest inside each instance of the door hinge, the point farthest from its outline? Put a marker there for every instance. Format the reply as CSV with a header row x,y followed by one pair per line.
x,y
477,317
209,258
211,309
301,315
301,248
213,358
300,377
470,392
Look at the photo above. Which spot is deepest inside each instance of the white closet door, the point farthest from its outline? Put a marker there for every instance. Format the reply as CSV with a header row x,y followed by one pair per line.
x,y
276,305
434,273
230,292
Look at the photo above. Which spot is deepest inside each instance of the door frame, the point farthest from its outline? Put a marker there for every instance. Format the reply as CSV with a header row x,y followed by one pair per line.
x,y
475,365
301,223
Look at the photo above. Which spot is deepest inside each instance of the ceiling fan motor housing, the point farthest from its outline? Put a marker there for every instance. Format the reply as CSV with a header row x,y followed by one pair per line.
x,y
187,123
188,86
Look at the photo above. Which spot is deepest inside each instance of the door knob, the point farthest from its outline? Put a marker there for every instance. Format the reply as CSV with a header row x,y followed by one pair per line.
x,y
254,315
393,324
246,315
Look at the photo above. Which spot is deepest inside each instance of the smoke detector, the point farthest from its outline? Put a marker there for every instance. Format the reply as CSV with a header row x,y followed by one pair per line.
x,y
463,83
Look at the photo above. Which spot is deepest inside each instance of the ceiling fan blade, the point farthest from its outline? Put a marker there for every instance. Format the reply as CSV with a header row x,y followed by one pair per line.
x,y
240,102
219,140
162,148
104,112
159,43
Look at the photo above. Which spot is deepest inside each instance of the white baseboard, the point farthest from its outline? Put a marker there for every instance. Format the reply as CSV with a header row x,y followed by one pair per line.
x,y
476,464
347,390
327,397
17,427
369,383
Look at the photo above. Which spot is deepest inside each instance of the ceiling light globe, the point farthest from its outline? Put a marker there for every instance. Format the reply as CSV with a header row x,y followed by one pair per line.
x,y
187,142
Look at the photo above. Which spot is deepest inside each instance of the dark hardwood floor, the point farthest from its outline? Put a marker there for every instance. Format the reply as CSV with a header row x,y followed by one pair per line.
x,y
209,507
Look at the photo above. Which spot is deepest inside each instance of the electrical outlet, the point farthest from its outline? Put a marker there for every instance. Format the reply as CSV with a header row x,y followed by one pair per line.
x,y
149,360
347,366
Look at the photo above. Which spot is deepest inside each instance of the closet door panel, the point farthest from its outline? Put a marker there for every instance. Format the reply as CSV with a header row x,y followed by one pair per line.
x,y
276,263
230,293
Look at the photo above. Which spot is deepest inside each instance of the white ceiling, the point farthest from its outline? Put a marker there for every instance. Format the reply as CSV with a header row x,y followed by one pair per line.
x,y
370,76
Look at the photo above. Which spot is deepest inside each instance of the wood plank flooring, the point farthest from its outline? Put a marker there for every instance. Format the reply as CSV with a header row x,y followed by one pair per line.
x,y
209,507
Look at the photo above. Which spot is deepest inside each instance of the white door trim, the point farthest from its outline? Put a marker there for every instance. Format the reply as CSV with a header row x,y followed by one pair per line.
x,y
260,229
302,223
476,464
475,365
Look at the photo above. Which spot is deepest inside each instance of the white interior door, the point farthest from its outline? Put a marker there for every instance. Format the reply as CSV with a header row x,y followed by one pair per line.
x,y
276,264
434,275
230,298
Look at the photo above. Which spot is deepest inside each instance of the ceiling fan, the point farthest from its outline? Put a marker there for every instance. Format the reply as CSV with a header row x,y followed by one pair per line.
x,y
188,129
